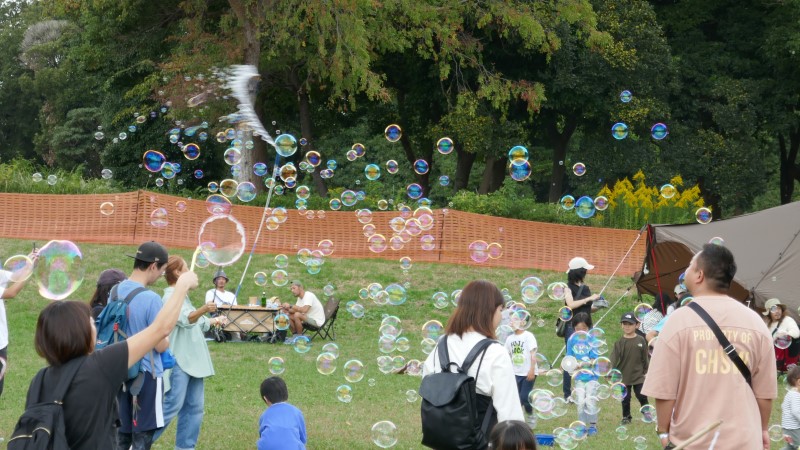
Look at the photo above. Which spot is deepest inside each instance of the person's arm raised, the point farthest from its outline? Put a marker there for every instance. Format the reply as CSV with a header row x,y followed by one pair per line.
x,y
141,343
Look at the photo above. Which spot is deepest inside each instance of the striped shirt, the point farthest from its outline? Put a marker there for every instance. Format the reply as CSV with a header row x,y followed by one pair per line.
x,y
790,415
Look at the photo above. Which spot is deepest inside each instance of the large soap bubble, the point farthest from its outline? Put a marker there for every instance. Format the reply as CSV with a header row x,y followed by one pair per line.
x,y
222,239
59,269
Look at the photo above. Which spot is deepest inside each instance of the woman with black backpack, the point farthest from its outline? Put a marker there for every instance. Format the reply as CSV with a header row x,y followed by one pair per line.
x,y
66,337
475,319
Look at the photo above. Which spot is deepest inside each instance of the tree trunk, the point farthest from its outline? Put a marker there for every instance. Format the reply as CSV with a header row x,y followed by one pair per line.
x,y
789,169
493,174
464,162
307,131
559,141
252,54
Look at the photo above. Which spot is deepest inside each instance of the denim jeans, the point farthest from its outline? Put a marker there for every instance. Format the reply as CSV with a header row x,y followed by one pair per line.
x,y
524,387
185,399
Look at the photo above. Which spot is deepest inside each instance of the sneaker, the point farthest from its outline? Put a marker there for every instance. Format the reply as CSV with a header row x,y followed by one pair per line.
x,y
592,430
290,340
626,420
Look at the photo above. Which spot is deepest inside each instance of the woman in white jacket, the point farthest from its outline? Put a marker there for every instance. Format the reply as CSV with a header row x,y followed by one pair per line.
x,y
476,317
781,325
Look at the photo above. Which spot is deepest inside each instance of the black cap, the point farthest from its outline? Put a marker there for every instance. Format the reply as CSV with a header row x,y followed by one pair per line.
x,y
110,277
151,252
628,318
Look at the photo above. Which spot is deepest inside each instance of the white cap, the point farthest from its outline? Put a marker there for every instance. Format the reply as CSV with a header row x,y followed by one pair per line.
x,y
579,263
680,289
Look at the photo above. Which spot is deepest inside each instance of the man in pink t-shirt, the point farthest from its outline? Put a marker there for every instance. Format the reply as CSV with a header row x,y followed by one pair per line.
x,y
693,380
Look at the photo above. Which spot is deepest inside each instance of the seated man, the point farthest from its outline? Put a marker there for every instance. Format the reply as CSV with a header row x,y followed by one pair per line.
x,y
308,309
219,295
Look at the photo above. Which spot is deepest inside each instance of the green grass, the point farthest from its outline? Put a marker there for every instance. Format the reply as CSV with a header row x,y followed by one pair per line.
x,y
232,398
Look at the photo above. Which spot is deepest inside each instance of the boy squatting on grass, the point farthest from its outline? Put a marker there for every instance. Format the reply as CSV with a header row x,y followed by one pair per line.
x,y
281,426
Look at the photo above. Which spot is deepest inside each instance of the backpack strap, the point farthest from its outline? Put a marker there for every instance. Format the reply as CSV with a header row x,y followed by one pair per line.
x,y
132,294
441,351
726,344
478,349
68,372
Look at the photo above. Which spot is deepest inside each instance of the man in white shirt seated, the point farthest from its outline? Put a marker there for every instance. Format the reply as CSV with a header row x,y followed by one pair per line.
x,y
219,295
308,309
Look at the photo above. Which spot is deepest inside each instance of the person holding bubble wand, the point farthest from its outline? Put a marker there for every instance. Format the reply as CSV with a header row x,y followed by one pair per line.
x,y
19,280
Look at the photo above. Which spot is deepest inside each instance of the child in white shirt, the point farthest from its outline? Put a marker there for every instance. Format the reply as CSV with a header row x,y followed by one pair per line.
x,y
790,411
522,347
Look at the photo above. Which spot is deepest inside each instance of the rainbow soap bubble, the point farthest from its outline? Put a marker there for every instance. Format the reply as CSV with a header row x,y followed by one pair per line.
x,y
384,433
20,268
567,202
579,169
392,167
641,310
232,156
282,322
618,391
520,320
372,172
393,133
427,345
260,279
782,342
557,290
625,96
246,191
285,145
519,171
402,344
153,160
421,167
554,377
432,329
59,269
326,363
659,131
668,191
615,376
703,215
344,393
518,154
302,344
397,294
440,300
717,241
359,149
259,169
775,433
218,205
565,313
276,365
648,413
354,371
478,251
601,203
159,218
445,145
503,332
314,158
414,191
619,131
578,343
601,366
531,289
584,207
191,151
198,174
228,187
180,206
622,432
222,239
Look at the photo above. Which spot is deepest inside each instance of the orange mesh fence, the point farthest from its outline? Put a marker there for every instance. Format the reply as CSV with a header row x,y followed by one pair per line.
x,y
524,244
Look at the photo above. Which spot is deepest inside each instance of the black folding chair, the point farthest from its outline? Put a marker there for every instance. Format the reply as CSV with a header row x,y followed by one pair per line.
x,y
326,330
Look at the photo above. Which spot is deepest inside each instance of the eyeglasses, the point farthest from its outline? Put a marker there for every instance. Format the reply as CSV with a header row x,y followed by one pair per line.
x,y
774,309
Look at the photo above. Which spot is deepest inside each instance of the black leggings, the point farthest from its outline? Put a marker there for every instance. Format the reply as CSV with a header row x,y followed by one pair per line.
x,y
4,362
626,401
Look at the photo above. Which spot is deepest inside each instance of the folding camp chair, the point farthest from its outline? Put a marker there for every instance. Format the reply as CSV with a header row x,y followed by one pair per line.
x,y
326,330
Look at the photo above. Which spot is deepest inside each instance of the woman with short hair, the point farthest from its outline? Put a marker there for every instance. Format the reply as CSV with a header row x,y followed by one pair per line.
x,y
66,336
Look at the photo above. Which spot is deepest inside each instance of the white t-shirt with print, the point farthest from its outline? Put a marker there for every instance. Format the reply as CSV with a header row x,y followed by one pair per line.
x,y
520,346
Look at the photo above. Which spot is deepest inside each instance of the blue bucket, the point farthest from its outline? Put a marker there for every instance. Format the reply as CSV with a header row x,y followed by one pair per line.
x,y
547,440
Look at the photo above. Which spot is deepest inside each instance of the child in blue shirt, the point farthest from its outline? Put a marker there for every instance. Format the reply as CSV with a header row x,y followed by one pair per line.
x,y
281,426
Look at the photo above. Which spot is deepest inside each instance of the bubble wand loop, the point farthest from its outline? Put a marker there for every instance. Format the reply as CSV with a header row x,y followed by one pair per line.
x,y
710,427
194,258
260,225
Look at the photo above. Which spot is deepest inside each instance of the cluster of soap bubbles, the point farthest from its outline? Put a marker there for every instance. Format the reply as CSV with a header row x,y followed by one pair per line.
x,y
51,179
481,251
58,270
409,225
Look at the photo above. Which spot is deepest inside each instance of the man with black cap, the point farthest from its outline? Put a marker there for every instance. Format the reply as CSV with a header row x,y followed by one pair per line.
x,y
139,419
219,295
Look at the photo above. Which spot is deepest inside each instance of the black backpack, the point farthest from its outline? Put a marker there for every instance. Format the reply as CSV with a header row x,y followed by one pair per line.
x,y
450,403
41,426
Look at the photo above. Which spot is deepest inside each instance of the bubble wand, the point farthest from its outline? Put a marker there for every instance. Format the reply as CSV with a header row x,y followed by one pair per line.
x,y
194,258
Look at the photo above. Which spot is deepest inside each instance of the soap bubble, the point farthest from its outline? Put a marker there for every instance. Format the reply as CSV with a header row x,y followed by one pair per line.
x,y
432,329
411,396
445,145
584,207
344,393
37,177
703,215
59,269
567,202
668,191
159,218
326,363
276,365
775,433
601,203
222,239
557,290
532,289
285,145
106,208
579,169
106,174
619,130
302,344
648,413
659,131
625,96
384,433
20,267
393,133
354,371
191,151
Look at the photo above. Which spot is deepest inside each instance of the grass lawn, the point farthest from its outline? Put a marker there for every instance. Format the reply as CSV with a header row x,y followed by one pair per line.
x,y
233,405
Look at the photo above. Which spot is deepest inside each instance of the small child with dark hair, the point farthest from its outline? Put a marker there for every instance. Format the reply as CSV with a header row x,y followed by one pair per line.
x,y
790,410
631,357
281,426
512,435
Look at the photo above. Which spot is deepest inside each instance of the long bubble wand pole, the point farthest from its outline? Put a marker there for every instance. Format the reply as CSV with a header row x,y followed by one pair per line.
x,y
260,225
194,258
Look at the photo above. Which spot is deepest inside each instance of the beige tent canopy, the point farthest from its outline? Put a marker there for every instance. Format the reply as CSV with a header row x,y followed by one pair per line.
x,y
766,245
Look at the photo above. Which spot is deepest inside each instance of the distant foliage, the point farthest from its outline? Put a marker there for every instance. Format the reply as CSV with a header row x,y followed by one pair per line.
x,y
632,207
17,176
